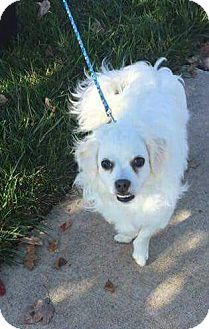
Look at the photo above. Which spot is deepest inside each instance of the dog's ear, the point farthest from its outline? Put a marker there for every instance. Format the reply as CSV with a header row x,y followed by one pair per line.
x,y
157,153
86,155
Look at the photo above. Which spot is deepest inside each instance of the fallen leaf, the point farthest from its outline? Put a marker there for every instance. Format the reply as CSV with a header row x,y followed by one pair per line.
x,y
204,49
2,288
44,7
204,53
53,245
49,51
3,99
97,27
30,257
66,225
41,311
109,286
35,241
49,105
193,164
194,60
60,262
192,70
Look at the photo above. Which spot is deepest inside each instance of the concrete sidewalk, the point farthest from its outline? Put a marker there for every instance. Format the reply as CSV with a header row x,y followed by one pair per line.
x,y
171,292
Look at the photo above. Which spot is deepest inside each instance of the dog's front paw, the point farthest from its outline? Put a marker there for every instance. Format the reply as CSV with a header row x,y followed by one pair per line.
x,y
122,238
140,259
140,253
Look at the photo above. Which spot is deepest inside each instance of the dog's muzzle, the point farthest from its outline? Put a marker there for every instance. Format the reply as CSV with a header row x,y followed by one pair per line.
x,y
122,187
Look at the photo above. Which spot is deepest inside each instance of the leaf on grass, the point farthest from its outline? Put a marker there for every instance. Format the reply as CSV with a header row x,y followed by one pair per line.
x,y
49,105
49,51
109,286
66,225
35,241
41,311
60,262
97,27
44,7
3,99
2,288
53,245
30,257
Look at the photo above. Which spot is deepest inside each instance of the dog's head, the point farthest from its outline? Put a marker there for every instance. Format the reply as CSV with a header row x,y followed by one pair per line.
x,y
121,159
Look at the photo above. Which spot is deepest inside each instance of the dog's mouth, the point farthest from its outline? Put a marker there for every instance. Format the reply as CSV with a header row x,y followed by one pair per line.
x,y
125,197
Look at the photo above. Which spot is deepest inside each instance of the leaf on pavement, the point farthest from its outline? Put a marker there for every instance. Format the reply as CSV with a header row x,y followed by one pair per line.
x,y
41,311
204,52
60,262
52,246
30,257
66,225
193,164
2,288
109,286
35,241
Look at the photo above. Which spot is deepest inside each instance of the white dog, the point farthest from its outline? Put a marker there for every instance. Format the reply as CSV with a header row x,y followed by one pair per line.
x,y
131,171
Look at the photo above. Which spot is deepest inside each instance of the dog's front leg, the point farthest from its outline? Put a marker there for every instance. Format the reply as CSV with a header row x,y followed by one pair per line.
x,y
141,246
141,243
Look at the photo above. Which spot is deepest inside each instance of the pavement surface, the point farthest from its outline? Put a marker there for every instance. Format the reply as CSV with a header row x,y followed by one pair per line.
x,y
170,292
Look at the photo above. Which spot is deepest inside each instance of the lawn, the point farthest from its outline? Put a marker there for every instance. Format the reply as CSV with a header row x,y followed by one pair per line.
x,y
36,134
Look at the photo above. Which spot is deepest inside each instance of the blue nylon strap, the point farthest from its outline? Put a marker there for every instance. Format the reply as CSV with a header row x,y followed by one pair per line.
x,y
88,62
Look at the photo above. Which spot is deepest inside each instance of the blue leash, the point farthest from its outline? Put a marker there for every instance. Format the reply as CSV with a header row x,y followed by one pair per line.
x,y
88,62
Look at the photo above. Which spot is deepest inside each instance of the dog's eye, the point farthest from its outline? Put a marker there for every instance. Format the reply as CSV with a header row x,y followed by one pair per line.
x,y
107,164
138,162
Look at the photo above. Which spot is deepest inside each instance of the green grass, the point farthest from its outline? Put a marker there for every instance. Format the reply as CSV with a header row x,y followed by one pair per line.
x,y
35,143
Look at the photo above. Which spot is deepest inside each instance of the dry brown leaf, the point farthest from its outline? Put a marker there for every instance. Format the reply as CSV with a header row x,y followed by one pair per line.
x,y
69,209
41,311
2,288
194,60
193,164
192,70
97,27
49,51
30,257
53,245
204,53
49,105
44,7
109,286
32,240
60,262
3,99
204,49
66,225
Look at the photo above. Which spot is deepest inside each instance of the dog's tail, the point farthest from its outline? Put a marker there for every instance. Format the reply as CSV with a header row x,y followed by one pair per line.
x,y
86,103
117,85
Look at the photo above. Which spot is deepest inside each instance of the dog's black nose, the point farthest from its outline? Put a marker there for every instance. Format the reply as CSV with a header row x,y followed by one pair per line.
x,y
122,185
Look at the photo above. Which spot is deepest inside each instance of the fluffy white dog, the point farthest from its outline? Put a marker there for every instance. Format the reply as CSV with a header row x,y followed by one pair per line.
x,y
131,171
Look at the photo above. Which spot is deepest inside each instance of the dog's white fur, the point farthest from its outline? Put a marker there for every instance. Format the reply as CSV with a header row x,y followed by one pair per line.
x,y
149,104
